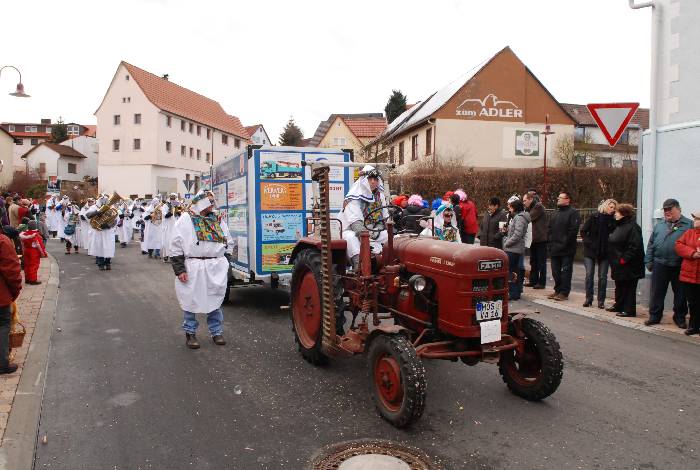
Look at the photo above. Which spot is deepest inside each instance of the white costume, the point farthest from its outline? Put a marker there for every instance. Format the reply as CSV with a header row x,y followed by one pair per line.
x,y
102,241
71,218
85,229
125,227
168,224
60,221
207,278
52,215
359,202
450,233
153,237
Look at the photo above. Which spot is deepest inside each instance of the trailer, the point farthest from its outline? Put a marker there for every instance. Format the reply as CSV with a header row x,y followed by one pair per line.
x,y
265,196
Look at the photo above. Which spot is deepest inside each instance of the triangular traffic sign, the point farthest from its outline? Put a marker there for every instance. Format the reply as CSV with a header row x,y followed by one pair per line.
x,y
612,118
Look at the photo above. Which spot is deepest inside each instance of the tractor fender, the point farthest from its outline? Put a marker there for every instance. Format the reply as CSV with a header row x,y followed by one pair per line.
x,y
338,248
385,330
301,245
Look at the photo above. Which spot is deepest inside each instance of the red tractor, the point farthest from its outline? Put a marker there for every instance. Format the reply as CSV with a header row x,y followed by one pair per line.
x,y
421,298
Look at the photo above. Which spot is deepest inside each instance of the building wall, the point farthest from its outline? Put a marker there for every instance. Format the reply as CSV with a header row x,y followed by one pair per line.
x,y
55,165
260,137
143,179
339,130
89,147
6,149
19,150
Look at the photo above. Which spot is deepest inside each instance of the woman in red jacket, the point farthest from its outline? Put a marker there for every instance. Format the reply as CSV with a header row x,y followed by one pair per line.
x,y
688,248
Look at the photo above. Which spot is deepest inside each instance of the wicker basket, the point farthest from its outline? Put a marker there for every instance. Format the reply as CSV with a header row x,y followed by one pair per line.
x,y
17,336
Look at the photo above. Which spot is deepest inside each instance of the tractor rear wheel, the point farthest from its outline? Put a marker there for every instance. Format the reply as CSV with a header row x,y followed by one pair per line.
x,y
537,373
397,379
307,305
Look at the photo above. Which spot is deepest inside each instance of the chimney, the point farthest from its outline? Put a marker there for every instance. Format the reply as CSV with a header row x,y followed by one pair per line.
x,y
46,121
165,76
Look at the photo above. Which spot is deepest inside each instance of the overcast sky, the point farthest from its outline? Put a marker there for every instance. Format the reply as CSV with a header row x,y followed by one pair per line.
x,y
265,60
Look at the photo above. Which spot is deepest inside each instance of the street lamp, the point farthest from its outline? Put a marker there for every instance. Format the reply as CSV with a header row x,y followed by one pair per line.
x,y
547,131
20,87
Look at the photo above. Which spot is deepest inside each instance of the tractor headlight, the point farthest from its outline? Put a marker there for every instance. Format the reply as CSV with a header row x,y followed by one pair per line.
x,y
417,282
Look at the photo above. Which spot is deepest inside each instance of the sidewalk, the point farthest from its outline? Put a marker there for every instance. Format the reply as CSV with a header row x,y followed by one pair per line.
x,y
37,305
577,297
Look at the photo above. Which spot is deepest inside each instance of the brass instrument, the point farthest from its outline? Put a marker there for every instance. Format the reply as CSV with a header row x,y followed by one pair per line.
x,y
157,214
107,214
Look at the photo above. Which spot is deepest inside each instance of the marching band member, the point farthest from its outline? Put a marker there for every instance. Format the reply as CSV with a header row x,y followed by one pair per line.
x,y
125,231
198,249
169,219
152,236
85,229
363,199
70,228
60,213
141,224
51,216
102,238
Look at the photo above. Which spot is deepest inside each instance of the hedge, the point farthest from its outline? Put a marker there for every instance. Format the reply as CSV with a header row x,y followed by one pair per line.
x,y
588,186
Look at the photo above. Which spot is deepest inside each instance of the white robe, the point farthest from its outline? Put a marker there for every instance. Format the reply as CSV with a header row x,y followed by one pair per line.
x,y
101,241
353,212
167,230
85,230
126,232
52,219
75,238
207,278
153,236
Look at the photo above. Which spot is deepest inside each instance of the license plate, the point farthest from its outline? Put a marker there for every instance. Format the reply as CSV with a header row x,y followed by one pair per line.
x,y
491,310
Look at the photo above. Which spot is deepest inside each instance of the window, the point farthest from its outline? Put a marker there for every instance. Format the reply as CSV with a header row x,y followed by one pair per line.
x,y
603,162
199,130
117,119
11,128
73,129
191,152
35,141
391,154
414,147
115,145
256,139
48,130
339,141
237,143
224,139
191,128
400,153
199,154
19,141
137,144
429,141
27,128
168,146
579,134
208,134
42,168
182,125
126,77
183,150
168,121
137,119
73,168
208,157
196,184
625,137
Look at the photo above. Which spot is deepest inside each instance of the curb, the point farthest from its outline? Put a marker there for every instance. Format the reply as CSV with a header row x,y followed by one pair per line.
x,y
608,319
19,443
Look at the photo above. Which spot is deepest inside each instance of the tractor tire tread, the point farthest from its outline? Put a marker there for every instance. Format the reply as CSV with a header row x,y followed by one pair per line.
x,y
312,259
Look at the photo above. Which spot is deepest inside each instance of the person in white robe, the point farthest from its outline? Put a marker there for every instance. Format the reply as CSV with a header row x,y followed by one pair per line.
x,y
125,230
198,252
103,237
140,224
153,235
169,219
52,216
60,214
70,228
363,202
85,229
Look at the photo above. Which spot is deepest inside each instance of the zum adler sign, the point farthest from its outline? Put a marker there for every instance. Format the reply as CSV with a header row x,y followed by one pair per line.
x,y
490,106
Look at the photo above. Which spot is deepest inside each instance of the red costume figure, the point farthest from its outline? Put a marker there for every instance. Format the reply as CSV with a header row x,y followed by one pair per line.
x,y
33,250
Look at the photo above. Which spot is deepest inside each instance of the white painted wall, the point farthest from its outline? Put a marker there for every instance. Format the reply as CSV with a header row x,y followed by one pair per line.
x,y
142,179
88,146
55,165
7,165
260,137
19,150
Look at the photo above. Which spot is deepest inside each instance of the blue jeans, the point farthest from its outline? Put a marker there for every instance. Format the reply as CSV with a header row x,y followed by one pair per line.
x,y
215,321
603,265
515,289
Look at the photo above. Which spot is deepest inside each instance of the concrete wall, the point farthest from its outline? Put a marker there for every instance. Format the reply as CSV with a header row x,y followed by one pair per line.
x,y
143,179
89,147
6,148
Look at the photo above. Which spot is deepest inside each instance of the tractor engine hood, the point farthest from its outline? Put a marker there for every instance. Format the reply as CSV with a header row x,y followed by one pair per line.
x,y
427,255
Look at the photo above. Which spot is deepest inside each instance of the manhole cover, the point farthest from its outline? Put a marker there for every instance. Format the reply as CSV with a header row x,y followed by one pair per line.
x,y
371,455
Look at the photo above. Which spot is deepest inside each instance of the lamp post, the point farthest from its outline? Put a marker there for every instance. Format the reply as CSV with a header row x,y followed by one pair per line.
x,y
547,131
19,92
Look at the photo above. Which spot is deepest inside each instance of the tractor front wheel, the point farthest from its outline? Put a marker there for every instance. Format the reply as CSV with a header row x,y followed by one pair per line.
x,y
537,372
307,305
397,378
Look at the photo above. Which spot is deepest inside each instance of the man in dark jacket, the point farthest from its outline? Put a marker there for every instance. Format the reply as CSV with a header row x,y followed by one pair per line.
x,y
665,264
490,233
10,287
563,229
626,256
538,248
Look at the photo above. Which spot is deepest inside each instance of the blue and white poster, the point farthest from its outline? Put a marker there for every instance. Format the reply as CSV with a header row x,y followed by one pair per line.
x,y
281,226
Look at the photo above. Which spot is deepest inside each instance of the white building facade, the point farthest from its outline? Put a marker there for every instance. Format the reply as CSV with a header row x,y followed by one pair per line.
x,y
258,135
155,134
62,161
6,163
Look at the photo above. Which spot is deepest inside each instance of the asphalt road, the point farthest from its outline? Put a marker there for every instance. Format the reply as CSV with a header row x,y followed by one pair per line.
x,y
123,392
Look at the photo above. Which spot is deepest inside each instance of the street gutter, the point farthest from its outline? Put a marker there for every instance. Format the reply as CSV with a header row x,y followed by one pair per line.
x,y
19,444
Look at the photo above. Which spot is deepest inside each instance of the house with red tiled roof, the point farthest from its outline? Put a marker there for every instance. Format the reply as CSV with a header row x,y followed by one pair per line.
x,y
28,135
156,134
592,149
60,160
349,131
258,135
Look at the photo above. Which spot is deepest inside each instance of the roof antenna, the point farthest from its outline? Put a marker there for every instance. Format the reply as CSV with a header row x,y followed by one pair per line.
x,y
165,76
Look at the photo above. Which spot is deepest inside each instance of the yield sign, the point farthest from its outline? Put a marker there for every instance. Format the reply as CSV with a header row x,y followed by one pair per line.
x,y
188,184
612,118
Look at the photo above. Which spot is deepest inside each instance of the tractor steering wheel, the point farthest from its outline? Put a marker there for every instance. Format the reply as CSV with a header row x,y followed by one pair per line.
x,y
393,210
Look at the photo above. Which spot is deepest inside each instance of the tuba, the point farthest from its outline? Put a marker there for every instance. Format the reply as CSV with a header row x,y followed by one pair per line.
x,y
107,214
157,214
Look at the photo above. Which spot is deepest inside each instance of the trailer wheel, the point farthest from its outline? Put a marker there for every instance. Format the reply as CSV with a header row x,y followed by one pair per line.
x,y
307,305
397,379
537,373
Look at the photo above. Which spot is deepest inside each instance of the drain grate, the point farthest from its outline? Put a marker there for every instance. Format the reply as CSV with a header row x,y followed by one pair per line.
x,y
371,454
